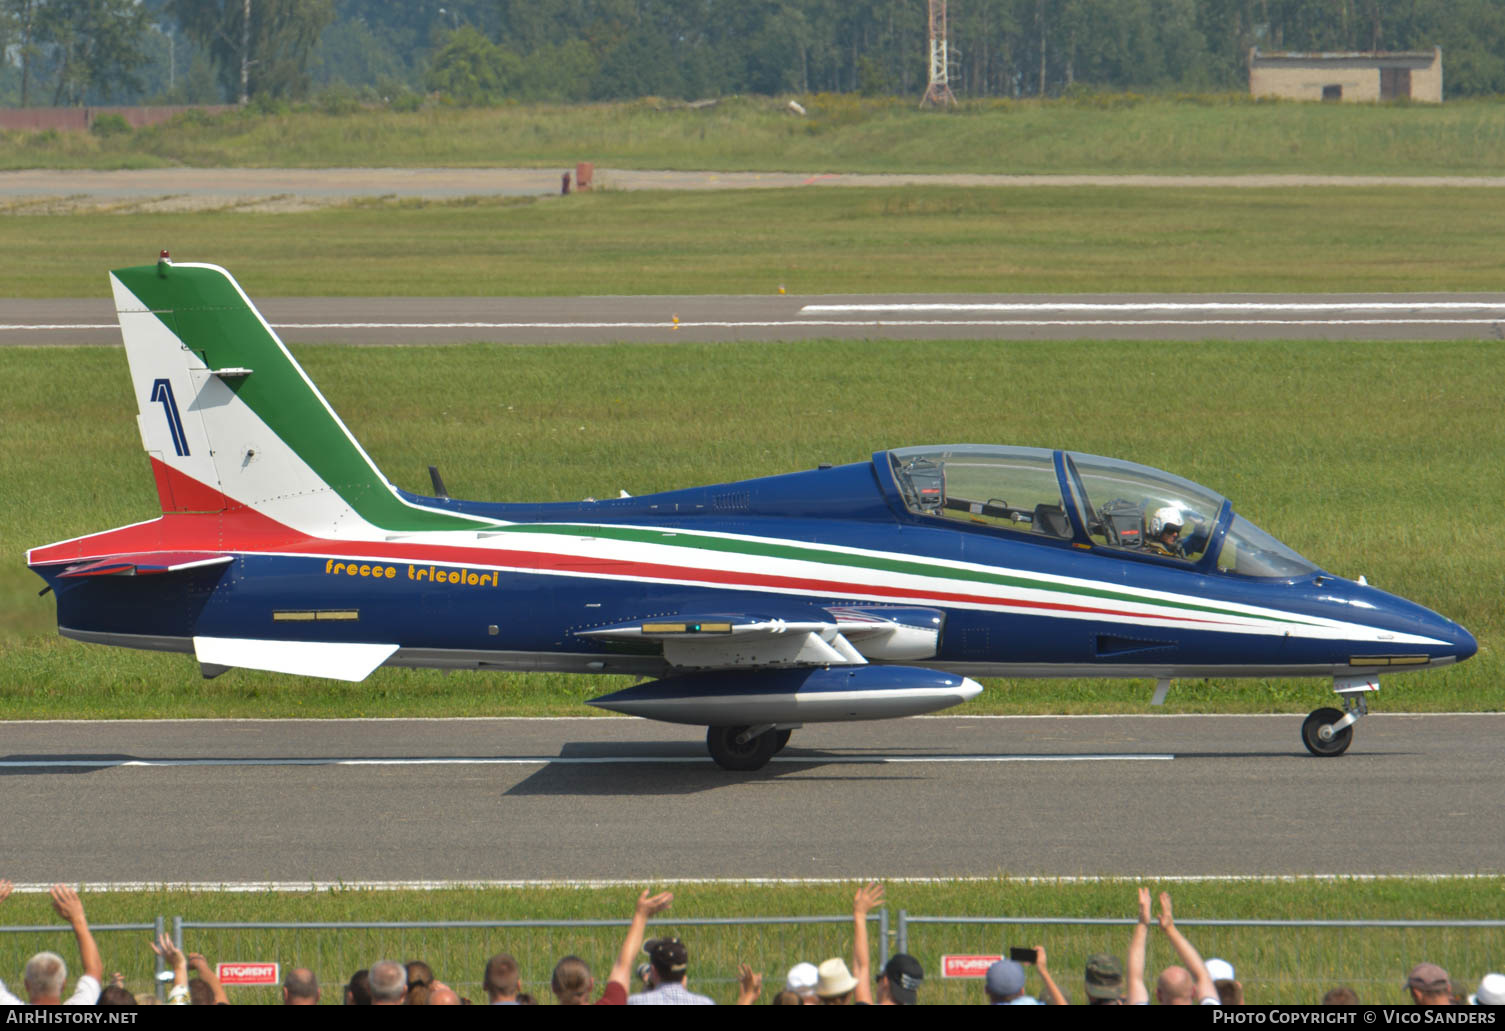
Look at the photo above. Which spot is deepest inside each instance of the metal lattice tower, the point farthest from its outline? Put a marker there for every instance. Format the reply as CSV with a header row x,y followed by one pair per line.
x,y
939,90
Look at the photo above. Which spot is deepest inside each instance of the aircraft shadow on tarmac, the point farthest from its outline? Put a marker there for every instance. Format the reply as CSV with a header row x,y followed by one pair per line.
x,y
627,768
56,764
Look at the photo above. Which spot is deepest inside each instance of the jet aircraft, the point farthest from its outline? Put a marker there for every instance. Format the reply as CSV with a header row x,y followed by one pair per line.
x,y
863,591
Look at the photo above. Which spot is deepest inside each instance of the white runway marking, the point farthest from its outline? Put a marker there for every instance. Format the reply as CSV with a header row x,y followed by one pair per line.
x,y
261,887
828,323
62,325
896,323
102,763
1169,306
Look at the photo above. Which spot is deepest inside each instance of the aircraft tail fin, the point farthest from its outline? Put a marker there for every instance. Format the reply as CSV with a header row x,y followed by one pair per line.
x,y
231,420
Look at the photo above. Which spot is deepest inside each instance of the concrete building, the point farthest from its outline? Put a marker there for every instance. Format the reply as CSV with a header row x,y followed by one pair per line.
x,y
1406,75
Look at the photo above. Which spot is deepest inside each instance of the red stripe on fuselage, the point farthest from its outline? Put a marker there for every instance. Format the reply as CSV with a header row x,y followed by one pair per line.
x,y
243,530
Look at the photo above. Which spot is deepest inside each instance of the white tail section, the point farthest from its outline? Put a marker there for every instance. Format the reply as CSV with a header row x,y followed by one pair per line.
x,y
231,420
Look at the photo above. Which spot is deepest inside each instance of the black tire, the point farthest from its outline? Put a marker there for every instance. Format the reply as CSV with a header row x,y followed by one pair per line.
x,y
1336,745
782,737
729,754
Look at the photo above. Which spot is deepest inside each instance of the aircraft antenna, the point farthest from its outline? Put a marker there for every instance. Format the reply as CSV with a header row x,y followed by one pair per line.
x,y
939,91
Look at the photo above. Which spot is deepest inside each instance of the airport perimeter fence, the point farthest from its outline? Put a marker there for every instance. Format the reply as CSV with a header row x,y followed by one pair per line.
x,y
456,950
1278,961
126,945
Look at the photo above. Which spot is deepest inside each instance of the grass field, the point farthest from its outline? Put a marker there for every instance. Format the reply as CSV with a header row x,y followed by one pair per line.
x,y
1374,458
1274,964
1370,458
915,239
1094,133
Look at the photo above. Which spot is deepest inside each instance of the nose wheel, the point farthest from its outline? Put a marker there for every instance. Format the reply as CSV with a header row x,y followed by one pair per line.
x,y
1329,732
1320,738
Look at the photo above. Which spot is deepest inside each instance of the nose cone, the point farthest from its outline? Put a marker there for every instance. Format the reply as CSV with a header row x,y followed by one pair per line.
x,y
1457,643
1464,645
1413,626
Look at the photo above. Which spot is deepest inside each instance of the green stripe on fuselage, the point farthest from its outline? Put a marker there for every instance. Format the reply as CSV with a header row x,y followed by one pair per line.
x,y
688,539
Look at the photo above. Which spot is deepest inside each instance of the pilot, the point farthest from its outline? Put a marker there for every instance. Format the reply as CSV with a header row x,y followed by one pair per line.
x,y
1164,537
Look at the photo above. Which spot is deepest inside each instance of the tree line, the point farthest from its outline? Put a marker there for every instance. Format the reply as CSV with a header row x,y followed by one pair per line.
x,y
489,51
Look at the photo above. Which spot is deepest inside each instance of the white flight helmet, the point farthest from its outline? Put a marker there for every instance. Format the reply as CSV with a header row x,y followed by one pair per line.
x,y
1164,517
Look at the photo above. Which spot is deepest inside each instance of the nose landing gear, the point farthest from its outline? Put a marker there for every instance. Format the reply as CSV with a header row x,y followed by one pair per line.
x,y
1328,732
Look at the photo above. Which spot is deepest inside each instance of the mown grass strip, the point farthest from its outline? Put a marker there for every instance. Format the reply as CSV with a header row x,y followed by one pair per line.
x,y
1116,134
1368,458
810,241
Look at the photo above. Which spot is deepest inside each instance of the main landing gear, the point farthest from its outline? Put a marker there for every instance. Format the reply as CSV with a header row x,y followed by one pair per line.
x,y
745,748
1329,732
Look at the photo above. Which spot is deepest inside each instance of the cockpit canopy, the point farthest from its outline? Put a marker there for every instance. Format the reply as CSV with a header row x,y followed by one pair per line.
x,y
1111,504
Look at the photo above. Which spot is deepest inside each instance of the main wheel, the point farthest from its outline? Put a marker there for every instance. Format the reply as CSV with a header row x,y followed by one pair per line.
x,y
1311,733
730,754
782,739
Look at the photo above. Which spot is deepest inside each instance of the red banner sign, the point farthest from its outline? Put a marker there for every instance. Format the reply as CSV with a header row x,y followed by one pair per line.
x,y
967,966
248,973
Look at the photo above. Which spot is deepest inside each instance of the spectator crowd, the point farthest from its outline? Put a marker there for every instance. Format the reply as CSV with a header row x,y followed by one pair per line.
x,y
662,978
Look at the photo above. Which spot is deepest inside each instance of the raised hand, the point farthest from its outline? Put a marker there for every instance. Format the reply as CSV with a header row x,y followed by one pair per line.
x,y
1167,921
648,905
867,898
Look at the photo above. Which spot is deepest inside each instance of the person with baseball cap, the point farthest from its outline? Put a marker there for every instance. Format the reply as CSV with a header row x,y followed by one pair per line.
x,y
899,981
615,993
1430,985
1004,985
668,960
1103,980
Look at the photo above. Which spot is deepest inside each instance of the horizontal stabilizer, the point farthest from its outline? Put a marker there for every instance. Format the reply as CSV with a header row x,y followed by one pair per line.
x,y
148,564
738,641
331,659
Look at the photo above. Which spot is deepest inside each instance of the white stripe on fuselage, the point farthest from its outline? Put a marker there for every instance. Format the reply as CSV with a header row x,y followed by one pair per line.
x,y
1151,608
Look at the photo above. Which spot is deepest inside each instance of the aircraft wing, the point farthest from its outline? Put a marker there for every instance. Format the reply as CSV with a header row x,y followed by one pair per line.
x,y
147,563
739,640
891,633
848,636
